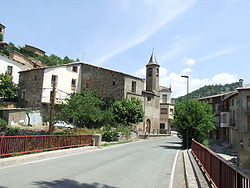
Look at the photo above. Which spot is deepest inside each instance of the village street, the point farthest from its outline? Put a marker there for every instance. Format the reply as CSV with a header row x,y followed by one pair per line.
x,y
139,164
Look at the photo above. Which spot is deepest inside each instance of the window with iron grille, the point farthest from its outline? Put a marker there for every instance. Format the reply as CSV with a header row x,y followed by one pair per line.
x,y
9,70
74,68
54,79
73,84
162,125
164,110
133,86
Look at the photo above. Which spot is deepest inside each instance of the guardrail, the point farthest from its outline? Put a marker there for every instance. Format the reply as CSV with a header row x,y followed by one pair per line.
x,y
219,172
10,145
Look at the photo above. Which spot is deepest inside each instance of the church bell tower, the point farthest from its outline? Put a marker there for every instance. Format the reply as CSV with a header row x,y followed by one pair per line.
x,y
152,75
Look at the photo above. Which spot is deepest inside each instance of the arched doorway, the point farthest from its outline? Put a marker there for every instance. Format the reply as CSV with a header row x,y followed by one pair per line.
x,y
148,126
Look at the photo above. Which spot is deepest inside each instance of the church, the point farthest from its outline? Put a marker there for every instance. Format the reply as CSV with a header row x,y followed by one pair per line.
x,y
36,85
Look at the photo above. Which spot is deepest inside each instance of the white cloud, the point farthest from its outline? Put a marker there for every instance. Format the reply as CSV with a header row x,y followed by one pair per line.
x,y
187,70
224,78
163,12
179,84
189,61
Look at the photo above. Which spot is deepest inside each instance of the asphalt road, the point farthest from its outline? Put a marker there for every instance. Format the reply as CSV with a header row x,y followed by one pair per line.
x,y
145,164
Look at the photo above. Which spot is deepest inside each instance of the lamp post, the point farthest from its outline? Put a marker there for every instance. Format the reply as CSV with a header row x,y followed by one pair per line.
x,y
187,77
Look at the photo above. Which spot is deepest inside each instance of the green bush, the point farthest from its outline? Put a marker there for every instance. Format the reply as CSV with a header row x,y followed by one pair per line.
x,y
3,124
124,130
12,131
109,134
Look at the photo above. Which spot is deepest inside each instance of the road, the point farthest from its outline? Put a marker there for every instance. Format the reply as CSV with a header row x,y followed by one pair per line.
x,y
145,164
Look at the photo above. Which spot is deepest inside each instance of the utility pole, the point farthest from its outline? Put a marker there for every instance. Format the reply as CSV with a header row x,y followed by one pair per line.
x,y
52,104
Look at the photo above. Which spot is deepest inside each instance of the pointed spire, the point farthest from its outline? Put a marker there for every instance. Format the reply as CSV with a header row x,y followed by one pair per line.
x,y
152,60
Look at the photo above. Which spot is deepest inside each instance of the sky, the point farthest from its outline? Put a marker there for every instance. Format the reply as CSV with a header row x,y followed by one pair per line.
x,y
208,40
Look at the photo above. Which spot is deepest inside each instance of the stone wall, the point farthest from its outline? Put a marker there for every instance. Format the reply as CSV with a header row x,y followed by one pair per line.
x,y
31,88
109,84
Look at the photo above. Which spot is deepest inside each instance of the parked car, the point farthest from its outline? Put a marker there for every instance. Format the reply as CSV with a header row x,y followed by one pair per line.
x,y
62,124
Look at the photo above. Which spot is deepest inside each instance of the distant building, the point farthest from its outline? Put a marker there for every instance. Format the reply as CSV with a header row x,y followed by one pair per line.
x,y
35,50
166,108
239,123
2,29
36,86
232,114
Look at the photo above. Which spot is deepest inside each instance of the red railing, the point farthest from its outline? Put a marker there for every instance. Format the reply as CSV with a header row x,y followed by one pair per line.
x,y
10,145
219,172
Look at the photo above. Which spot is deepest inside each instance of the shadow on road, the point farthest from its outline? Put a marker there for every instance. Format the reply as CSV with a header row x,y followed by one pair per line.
x,y
171,147
69,183
177,142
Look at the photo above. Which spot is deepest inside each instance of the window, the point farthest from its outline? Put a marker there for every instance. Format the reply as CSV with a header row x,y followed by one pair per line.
x,y
149,72
74,68
73,84
133,86
248,103
87,85
54,79
149,98
223,118
164,111
157,72
232,102
162,125
23,95
171,111
35,78
9,70
164,98
113,83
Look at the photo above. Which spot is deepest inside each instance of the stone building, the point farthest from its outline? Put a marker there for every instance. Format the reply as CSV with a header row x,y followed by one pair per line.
x,y
36,86
34,49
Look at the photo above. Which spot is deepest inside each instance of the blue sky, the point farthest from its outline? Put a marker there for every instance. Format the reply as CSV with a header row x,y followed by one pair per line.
x,y
207,40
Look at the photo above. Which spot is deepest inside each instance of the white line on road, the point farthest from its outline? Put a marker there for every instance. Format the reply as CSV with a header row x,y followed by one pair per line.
x,y
173,170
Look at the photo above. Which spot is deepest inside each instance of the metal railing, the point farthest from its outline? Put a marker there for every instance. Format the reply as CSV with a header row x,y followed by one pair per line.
x,y
219,172
10,145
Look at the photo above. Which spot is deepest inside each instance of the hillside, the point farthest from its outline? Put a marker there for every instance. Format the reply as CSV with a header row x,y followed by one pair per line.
x,y
45,59
211,90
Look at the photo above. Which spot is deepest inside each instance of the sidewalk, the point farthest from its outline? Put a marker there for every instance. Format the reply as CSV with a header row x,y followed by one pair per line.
x,y
194,177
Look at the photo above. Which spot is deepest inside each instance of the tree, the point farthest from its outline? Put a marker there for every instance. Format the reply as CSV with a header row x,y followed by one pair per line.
x,y
8,89
87,109
128,112
193,118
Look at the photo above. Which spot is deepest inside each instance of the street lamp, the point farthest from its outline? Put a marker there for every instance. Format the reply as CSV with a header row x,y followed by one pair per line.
x,y
187,77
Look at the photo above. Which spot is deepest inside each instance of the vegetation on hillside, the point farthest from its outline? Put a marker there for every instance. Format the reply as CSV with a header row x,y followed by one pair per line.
x,y
193,119
45,59
211,90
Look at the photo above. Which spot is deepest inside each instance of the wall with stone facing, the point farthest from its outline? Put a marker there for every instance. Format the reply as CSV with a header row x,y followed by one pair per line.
x,y
109,84
31,88
152,110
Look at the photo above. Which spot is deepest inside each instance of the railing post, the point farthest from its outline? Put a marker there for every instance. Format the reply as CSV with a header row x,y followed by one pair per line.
x,y
1,141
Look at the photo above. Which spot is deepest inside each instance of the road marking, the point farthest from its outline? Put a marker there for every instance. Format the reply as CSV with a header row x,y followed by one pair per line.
x,y
173,170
